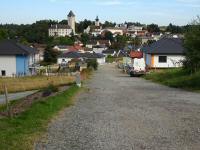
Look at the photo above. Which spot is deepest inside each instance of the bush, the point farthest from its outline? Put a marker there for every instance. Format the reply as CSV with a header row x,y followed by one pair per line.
x,y
49,90
110,59
92,63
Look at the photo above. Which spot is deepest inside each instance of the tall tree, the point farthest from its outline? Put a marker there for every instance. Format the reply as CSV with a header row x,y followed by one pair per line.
x,y
109,24
84,38
153,28
108,36
50,56
3,34
192,45
174,29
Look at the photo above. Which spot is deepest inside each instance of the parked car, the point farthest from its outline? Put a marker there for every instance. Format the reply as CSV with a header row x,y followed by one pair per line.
x,y
138,67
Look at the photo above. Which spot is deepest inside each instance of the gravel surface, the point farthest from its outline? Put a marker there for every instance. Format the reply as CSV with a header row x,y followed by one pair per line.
x,y
122,113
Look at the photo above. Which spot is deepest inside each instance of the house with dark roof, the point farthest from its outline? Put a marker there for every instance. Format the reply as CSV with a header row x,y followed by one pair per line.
x,y
165,53
16,59
68,56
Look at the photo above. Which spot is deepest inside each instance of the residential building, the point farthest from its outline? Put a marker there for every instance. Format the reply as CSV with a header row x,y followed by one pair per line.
x,y
134,28
165,53
114,30
60,30
99,48
95,30
17,59
67,57
64,48
109,52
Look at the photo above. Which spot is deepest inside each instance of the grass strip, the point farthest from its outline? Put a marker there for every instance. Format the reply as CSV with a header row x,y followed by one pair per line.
x,y
177,78
22,131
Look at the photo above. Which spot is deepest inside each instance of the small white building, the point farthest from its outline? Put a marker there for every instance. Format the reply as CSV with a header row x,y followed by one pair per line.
x,y
165,53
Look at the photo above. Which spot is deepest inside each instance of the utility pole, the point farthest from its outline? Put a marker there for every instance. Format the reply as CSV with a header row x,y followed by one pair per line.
x,y
7,101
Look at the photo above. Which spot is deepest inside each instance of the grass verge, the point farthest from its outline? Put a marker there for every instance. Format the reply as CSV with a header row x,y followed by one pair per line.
x,y
177,78
22,131
33,82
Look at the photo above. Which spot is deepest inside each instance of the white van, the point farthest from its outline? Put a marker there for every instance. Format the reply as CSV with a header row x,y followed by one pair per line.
x,y
138,67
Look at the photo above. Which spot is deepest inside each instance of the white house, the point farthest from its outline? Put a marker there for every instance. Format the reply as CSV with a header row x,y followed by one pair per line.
x,y
95,30
66,57
60,30
114,30
16,59
165,53
134,28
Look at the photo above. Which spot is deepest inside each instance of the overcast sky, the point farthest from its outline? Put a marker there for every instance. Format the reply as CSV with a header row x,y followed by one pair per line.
x,y
162,12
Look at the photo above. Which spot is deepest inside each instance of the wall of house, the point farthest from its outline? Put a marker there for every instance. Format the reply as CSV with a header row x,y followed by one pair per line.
x,y
8,63
60,32
60,60
22,65
101,61
99,50
173,61
148,60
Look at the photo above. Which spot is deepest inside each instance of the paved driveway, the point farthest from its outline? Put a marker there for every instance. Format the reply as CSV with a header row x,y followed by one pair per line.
x,y
123,113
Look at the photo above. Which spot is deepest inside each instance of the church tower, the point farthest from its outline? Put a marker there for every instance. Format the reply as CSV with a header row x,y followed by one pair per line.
x,y
72,21
97,22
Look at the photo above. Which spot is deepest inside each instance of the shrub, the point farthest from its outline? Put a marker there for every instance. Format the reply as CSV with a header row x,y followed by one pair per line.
x,y
92,63
49,90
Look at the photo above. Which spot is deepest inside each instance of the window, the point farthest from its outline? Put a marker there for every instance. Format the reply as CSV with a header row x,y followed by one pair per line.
x,y
3,73
162,59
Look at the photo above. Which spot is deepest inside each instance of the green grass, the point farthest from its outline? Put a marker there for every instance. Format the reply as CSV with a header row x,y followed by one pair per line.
x,y
21,132
177,78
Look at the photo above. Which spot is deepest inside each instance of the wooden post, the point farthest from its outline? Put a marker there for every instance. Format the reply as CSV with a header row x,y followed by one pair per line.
x,y
7,101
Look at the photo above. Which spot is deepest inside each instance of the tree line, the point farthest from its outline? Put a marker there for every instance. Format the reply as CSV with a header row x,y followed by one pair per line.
x,y
38,31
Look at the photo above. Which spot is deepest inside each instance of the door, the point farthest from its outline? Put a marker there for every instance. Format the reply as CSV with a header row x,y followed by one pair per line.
x,y
3,73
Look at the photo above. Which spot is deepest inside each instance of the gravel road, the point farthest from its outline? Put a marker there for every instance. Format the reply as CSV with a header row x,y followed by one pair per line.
x,y
123,113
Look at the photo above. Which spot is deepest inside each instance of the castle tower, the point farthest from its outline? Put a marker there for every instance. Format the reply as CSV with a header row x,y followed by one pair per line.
x,y
97,21
71,21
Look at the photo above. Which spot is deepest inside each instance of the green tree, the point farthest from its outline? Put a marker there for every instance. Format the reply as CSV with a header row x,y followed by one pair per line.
x,y
153,28
192,45
84,38
3,34
109,24
136,41
108,36
83,25
50,56
120,42
174,29
63,41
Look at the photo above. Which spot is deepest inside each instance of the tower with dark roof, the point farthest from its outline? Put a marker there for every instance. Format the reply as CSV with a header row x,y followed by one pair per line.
x,y
97,21
71,20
